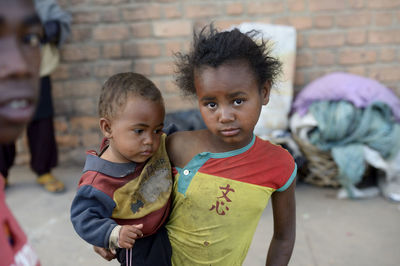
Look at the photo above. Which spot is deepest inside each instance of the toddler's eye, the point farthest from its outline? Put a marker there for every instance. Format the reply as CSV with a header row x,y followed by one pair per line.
x,y
238,102
138,131
158,131
32,39
212,105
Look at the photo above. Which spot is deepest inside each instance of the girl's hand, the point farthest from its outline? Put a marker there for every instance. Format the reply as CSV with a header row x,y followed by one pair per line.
x,y
105,253
129,234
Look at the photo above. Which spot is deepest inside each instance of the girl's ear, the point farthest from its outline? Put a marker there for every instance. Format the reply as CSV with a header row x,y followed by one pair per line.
x,y
105,126
265,90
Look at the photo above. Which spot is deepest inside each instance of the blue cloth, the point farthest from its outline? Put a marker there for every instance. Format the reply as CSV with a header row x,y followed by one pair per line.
x,y
344,130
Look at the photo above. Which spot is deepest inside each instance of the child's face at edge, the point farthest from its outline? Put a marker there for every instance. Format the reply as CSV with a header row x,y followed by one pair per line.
x,y
134,133
20,34
230,102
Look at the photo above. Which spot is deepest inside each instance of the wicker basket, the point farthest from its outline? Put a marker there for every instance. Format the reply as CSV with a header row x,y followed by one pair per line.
x,y
321,168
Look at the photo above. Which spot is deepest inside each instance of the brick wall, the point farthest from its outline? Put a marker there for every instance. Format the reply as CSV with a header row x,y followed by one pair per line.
x,y
110,36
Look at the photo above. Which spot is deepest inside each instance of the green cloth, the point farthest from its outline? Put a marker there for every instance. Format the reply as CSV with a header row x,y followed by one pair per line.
x,y
344,129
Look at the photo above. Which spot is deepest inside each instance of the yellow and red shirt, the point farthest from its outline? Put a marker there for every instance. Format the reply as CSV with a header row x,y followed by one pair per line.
x,y
219,198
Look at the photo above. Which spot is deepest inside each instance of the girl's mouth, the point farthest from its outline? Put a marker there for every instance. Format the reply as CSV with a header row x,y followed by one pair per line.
x,y
229,132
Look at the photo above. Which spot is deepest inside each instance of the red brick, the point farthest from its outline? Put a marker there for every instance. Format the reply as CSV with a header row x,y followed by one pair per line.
x,y
296,5
141,29
60,125
91,139
60,73
67,141
383,3
142,49
176,103
357,70
75,52
304,59
107,2
265,8
166,85
227,24
385,73
201,10
172,28
84,106
111,15
82,88
300,23
84,123
349,57
80,33
57,90
112,50
383,19
143,67
299,79
85,17
353,20
384,36
172,47
112,67
387,54
356,37
300,40
357,4
145,12
163,68
322,5
325,40
324,58
172,11
111,33
234,8
323,21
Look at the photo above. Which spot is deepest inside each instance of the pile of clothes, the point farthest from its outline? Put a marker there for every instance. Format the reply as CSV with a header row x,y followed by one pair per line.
x,y
357,120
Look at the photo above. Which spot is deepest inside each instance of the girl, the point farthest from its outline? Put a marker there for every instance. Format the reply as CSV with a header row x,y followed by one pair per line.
x,y
225,175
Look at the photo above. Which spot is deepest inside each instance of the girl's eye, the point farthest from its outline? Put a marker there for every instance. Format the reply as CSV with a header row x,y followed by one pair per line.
x,y
238,102
138,131
158,131
212,105
32,40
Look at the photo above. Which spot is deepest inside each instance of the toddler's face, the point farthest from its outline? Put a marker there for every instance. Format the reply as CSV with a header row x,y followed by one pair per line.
x,y
230,102
136,130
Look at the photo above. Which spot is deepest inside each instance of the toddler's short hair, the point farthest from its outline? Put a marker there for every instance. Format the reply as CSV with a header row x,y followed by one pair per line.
x,y
119,87
213,48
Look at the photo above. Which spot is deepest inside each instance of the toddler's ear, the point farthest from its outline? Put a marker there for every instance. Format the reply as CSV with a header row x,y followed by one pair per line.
x,y
265,90
105,126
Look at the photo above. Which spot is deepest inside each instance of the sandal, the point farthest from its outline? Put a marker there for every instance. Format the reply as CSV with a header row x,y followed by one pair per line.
x,y
50,183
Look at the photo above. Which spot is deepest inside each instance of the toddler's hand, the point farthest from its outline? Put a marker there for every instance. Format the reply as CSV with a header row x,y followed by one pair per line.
x,y
128,235
105,253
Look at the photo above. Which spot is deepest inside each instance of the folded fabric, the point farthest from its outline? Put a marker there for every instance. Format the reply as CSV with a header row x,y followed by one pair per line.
x,y
337,86
344,129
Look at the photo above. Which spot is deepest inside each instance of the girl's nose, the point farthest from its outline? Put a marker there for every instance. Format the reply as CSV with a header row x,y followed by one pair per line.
x,y
226,115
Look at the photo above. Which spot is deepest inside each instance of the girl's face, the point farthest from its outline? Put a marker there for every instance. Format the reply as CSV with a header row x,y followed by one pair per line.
x,y
230,102
134,133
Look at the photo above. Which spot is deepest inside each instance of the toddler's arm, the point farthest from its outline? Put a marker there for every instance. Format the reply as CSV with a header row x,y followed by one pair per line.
x,y
284,211
91,210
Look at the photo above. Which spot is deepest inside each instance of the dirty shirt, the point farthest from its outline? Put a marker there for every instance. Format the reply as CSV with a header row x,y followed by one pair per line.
x,y
219,198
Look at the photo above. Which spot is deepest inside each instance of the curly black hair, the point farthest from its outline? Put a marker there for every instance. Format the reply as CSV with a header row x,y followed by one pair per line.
x,y
213,48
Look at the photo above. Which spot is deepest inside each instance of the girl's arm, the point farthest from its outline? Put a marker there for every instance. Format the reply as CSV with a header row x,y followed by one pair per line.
x,y
284,211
